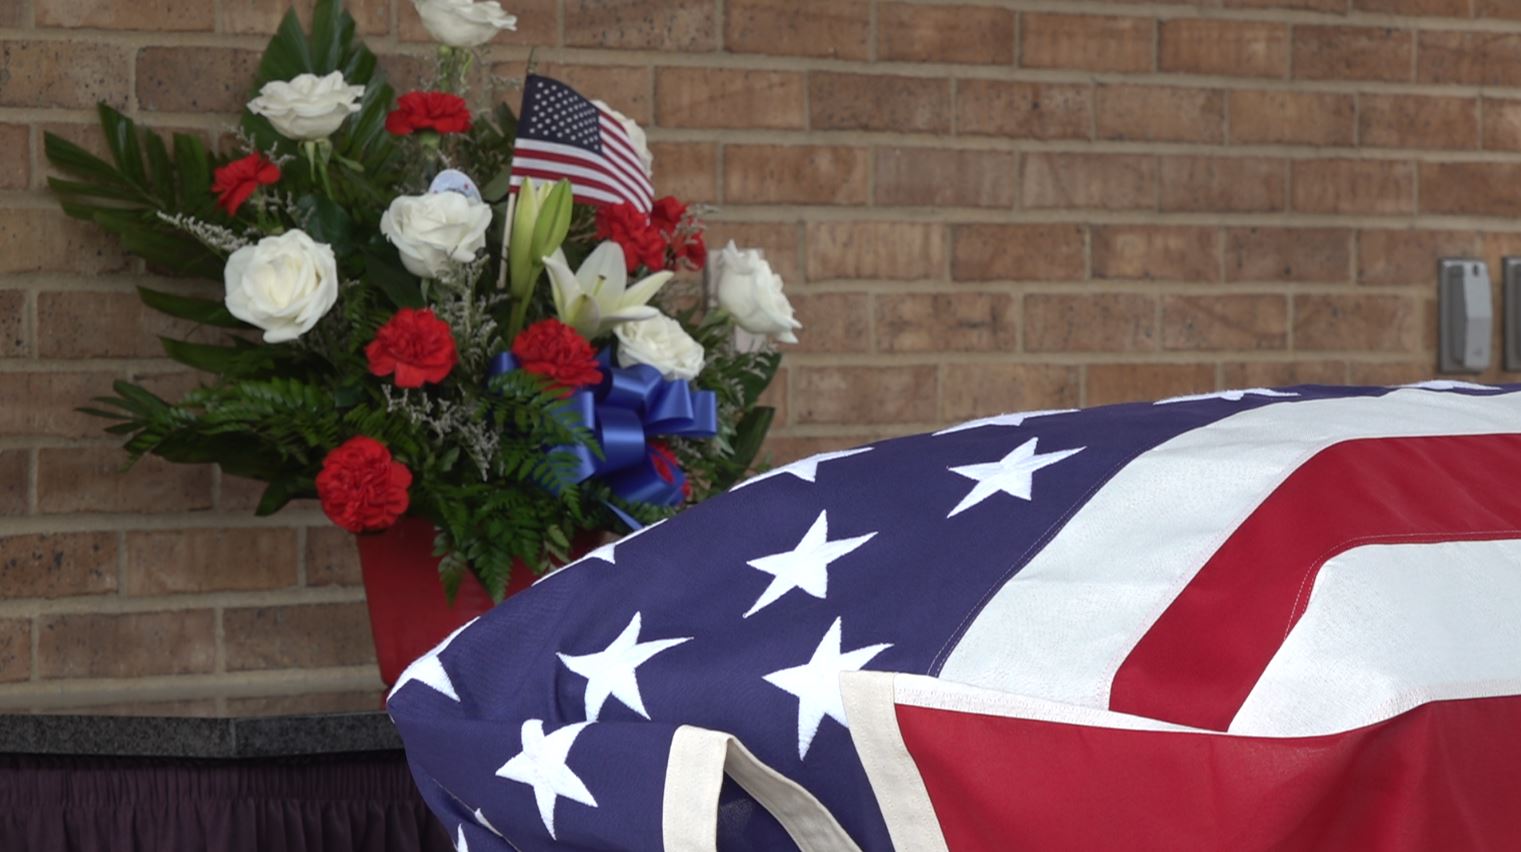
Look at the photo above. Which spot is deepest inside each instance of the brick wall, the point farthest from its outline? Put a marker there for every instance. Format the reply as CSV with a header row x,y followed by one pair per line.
x,y
977,208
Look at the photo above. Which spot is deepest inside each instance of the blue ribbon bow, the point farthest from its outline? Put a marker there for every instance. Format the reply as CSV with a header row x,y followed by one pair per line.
x,y
631,405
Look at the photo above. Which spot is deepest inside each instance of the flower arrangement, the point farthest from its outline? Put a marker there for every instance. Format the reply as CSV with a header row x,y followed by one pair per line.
x,y
398,323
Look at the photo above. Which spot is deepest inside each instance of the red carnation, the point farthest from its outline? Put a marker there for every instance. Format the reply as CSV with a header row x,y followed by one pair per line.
x,y
627,226
437,111
415,345
667,215
552,348
666,466
235,182
361,487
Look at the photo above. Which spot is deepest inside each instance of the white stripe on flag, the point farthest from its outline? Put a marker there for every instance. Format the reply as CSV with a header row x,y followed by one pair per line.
x,y
599,165
621,153
578,191
1063,625
598,179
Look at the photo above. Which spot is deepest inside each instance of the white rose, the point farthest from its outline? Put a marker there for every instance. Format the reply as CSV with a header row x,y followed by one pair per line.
x,y
662,343
462,23
635,135
436,230
752,294
282,285
309,107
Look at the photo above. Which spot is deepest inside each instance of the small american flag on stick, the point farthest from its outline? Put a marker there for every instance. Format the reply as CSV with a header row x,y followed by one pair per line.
x,y
563,135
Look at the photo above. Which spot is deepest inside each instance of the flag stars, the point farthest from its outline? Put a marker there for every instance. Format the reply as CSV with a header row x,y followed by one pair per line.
x,y
542,765
805,566
611,671
1014,474
816,683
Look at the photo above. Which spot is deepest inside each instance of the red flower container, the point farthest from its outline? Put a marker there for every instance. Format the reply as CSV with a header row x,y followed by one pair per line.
x,y
409,613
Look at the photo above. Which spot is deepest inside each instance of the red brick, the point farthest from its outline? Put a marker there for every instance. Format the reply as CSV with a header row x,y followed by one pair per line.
x,y
1390,373
799,174
15,646
1277,374
980,35
75,324
725,98
306,704
1404,121
1337,6
1496,9
15,156
1225,322
1230,48
134,644
43,404
1107,384
1474,189
1157,252
1472,59
92,479
864,395
223,78
13,16
625,88
47,241
1087,42
1408,257
1352,53
1356,322
1022,110
305,637
1223,184
1320,255
669,25
895,250
538,24
151,15
687,170
1375,187
1099,181
775,395
937,177
13,336
981,390
833,322
58,565
1017,253
1292,118
162,562
1160,114
1090,322
63,74
947,322
1443,8
778,240
262,17
1502,125
834,29
779,450
332,558
839,101
13,476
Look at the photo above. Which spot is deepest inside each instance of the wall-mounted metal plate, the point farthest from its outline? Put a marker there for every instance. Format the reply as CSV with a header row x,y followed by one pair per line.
x,y
1512,308
1467,316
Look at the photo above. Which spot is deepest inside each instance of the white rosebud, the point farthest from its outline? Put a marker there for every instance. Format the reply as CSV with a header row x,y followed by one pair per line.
x,y
463,23
283,284
436,230
309,107
751,293
661,343
635,135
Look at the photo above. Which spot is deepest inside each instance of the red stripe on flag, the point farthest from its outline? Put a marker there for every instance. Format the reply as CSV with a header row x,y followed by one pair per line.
x,y
1200,660
603,179
1443,776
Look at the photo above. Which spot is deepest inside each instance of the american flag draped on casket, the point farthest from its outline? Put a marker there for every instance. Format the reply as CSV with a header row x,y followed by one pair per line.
x,y
1262,619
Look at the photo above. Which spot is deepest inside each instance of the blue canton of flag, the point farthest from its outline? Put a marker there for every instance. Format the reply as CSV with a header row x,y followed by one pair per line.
x,y
562,135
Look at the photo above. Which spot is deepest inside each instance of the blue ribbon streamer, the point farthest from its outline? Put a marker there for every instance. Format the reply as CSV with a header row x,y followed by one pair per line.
x,y
631,405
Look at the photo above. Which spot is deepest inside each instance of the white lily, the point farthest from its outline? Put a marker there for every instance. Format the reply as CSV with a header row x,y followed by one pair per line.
x,y
597,297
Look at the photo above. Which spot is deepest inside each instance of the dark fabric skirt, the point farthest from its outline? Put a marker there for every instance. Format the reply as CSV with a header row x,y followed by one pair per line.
x,y
331,803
